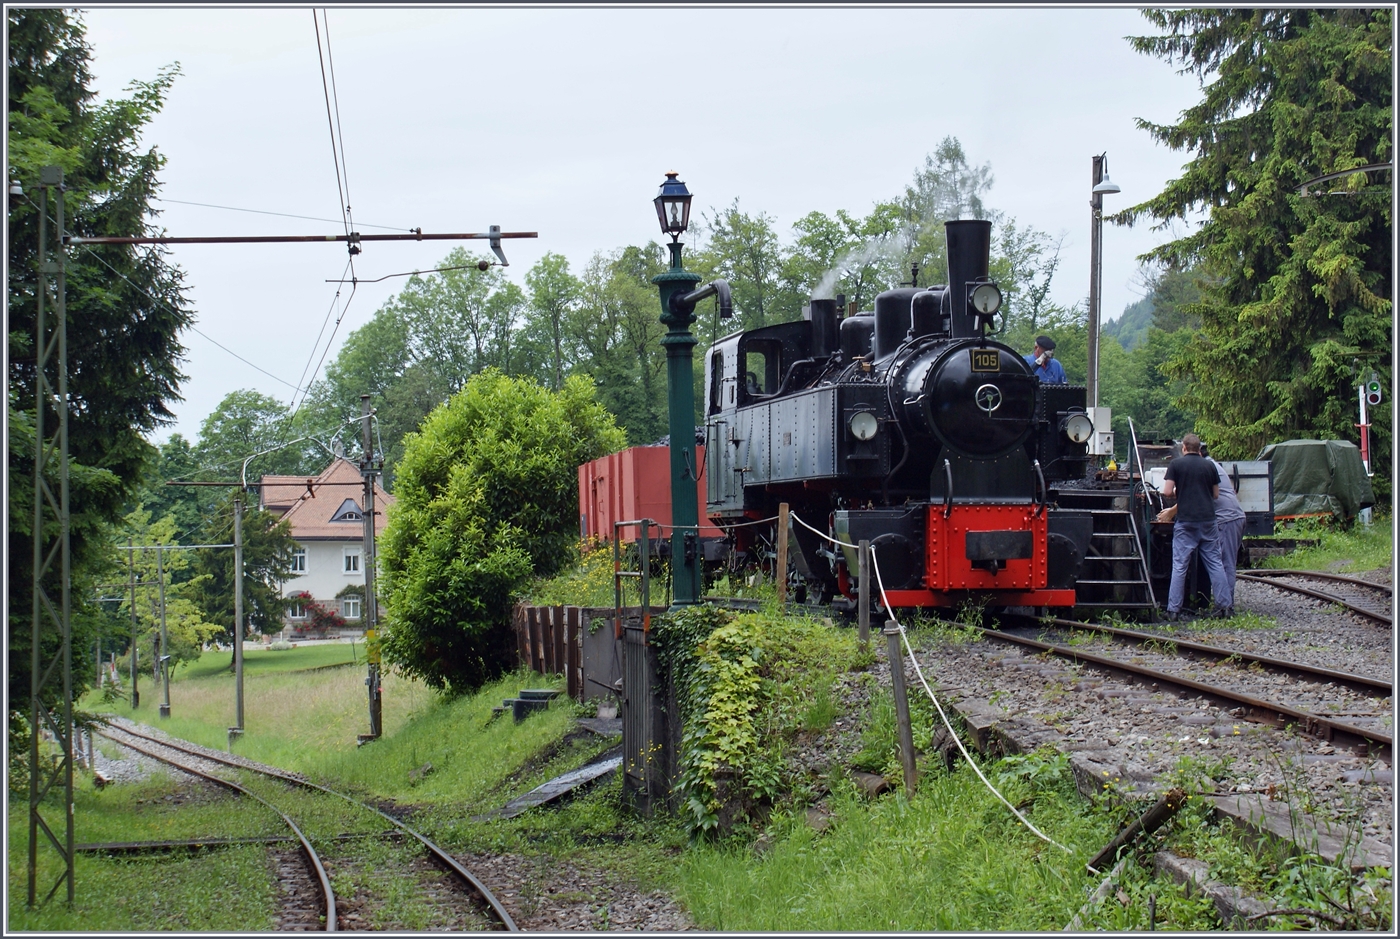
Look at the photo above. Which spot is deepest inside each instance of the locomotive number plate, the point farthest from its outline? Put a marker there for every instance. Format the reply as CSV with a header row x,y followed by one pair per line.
x,y
986,360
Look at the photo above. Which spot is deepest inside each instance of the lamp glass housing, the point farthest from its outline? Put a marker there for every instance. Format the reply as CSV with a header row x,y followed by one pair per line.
x,y
864,425
673,206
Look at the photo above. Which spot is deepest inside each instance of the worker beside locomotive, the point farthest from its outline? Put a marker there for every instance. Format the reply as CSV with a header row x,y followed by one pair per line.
x,y
909,427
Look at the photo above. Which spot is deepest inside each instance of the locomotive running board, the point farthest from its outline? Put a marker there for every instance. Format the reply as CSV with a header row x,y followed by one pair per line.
x,y
912,598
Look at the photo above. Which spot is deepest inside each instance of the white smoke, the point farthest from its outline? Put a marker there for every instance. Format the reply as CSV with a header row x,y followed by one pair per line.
x,y
890,247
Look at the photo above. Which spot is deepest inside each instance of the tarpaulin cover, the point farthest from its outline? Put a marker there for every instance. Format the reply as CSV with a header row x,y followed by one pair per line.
x,y
1312,477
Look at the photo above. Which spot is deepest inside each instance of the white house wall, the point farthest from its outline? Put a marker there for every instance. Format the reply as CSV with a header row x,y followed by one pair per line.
x,y
325,572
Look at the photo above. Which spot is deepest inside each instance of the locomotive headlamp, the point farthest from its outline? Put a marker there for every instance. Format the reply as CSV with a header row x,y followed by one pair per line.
x,y
863,425
1079,428
673,206
985,299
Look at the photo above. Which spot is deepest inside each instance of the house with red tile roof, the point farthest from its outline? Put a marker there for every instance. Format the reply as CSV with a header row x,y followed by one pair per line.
x,y
326,515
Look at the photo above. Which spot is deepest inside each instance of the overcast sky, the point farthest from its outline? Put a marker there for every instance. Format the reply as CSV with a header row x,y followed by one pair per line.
x,y
565,121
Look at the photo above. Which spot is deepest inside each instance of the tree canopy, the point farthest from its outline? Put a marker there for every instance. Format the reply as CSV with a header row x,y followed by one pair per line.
x,y
1296,292
486,497
125,305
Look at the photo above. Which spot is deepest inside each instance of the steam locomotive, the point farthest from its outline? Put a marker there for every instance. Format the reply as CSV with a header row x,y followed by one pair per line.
x,y
909,427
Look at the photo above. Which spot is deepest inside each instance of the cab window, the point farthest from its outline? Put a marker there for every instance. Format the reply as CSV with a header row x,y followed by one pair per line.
x,y
716,382
761,368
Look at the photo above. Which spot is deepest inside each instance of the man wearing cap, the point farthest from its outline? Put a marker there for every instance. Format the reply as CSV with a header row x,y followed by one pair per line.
x,y
1195,482
1043,364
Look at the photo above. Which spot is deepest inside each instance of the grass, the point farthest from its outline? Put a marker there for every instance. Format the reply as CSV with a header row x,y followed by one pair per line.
x,y
1360,548
308,721
950,859
154,892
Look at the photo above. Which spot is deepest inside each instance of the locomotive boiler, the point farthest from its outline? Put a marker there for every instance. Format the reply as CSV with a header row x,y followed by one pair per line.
x,y
910,427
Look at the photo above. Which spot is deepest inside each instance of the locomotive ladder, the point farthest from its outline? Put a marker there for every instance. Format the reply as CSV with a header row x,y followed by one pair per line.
x,y
1116,572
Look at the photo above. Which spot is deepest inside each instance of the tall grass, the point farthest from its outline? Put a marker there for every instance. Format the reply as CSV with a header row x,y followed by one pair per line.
x,y
308,722
950,859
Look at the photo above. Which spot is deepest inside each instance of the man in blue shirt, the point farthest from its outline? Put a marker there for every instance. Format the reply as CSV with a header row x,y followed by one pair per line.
x,y
1043,364
1195,481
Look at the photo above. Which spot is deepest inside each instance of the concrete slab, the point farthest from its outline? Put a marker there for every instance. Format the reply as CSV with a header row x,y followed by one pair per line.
x,y
555,788
1268,819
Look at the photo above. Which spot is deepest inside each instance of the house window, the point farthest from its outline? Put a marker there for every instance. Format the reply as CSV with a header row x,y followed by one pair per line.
x,y
352,560
350,607
349,511
299,561
297,610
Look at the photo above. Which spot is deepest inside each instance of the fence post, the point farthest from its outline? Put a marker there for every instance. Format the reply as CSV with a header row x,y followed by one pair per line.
x,y
782,552
864,598
901,707
522,646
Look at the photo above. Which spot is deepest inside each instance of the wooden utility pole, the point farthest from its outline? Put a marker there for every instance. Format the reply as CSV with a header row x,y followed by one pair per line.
x,y
370,609
237,730
131,576
163,650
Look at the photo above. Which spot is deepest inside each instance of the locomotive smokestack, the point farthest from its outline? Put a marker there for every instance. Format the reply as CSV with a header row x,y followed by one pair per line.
x,y
969,257
825,337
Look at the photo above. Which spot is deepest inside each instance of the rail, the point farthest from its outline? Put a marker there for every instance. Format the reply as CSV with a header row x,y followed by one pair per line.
x,y
493,904
1317,595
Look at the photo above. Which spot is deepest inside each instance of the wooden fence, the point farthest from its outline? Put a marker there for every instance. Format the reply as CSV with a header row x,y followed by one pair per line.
x,y
547,639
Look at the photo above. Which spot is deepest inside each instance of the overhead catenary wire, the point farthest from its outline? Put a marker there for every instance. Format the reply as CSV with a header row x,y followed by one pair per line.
x,y
889,611
192,327
317,344
330,124
309,218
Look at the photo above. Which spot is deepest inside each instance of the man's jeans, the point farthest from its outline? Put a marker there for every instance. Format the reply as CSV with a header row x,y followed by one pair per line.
x,y
1202,536
1231,534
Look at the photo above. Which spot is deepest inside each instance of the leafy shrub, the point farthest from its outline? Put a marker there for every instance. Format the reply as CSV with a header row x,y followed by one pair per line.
x,y
745,685
487,496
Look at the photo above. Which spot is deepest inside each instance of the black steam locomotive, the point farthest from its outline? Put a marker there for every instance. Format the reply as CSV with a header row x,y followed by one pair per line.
x,y
908,427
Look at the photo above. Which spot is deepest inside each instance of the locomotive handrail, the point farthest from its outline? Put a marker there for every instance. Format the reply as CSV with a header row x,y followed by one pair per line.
x,y
1044,492
948,495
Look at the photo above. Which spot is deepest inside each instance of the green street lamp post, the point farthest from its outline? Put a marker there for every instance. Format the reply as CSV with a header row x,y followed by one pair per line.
x,y
678,301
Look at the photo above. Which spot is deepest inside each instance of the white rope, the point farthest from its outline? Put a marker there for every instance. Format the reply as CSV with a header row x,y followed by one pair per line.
x,y
836,541
761,521
934,698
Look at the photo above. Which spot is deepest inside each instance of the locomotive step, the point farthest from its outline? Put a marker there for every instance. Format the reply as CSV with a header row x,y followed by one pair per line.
x,y
1117,604
1113,557
1108,583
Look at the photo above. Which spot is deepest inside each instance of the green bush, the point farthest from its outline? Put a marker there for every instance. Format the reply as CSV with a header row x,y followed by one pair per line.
x,y
487,497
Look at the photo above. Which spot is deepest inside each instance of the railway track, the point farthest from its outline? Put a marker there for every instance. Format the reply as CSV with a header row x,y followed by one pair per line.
x,y
332,915
1362,597
1344,709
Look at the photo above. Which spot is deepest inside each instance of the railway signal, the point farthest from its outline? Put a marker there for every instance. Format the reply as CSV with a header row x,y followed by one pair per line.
x,y
1373,391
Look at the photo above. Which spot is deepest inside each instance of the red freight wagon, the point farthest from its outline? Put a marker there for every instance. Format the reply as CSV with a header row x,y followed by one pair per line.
x,y
630,485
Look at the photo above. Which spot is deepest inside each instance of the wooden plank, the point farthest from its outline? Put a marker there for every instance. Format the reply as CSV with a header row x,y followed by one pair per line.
x,y
560,657
572,639
546,638
522,638
536,659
